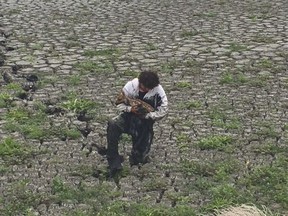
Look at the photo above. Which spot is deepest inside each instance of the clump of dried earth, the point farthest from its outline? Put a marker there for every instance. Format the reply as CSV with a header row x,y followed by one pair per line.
x,y
223,64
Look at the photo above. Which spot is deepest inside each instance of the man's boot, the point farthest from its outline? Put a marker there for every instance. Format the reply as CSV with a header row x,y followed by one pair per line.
x,y
114,164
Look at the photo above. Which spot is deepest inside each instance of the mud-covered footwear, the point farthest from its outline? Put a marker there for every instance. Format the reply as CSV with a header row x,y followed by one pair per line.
x,y
136,159
115,164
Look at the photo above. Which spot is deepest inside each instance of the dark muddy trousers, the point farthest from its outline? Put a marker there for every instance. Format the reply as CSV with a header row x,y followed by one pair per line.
x,y
141,131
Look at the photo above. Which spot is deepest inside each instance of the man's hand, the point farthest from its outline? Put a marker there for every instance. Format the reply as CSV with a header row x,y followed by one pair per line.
x,y
138,110
134,109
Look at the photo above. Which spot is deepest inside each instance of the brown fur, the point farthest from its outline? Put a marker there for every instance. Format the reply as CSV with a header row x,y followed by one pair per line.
x,y
121,98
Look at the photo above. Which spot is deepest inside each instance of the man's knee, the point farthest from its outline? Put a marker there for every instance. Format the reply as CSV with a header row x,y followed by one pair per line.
x,y
113,125
116,123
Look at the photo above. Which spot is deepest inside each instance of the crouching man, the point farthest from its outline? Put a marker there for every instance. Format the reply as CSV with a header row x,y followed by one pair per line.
x,y
141,102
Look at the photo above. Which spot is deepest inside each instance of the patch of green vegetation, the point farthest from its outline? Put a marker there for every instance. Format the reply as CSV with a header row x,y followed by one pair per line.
x,y
18,114
26,39
259,16
82,170
155,184
236,47
8,94
33,131
265,63
222,120
13,87
218,142
141,209
183,141
130,73
262,39
258,81
191,168
222,196
52,80
150,46
90,66
75,104
19,199
37,46
4,169
190,105
184,85
235,79
72,133
74,80
267,129
220,171
192,64
270,149
270,181
5,100
179,197
31,125
10,147
99,195
169,67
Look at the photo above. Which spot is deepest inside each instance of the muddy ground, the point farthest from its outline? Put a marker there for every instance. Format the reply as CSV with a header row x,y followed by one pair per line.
x,y
222,63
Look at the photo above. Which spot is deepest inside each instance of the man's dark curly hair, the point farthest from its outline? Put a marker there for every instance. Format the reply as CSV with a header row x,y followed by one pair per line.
x,y
149,79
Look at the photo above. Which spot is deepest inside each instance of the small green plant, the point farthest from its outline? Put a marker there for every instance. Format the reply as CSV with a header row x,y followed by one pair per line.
x,y
26,39
222,196
10,147
190,105
183,141
37,46
150,46
267,130
228,77
235,47
4,169
131,73
102,193
169,67
19,199
155,184
72,133
193,167
5,100
258,81
270,181
18,114
74,80
218,142
192,64
77,105
262,39
34,131
265,63
270,149
184,85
